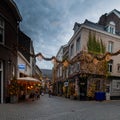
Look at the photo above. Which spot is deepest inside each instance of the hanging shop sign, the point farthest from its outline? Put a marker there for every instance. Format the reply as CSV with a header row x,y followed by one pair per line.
x,y
21,66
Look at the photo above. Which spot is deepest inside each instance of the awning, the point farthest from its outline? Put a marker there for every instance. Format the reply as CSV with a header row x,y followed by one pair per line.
x,y
29,79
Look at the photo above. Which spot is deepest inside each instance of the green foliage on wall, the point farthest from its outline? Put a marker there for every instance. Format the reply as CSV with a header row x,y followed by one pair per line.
x,y
94,45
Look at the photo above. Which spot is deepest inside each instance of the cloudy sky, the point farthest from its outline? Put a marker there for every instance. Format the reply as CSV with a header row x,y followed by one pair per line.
x,y
49,23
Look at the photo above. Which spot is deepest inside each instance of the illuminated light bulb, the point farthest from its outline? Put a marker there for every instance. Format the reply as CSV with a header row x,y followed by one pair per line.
x,y
95,61
28,87
65,63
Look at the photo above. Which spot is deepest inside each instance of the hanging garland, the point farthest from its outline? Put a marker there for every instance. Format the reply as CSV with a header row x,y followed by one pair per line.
x,y
107,56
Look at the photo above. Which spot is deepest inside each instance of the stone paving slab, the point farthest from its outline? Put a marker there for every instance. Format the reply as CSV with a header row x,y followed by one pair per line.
x,y
58,108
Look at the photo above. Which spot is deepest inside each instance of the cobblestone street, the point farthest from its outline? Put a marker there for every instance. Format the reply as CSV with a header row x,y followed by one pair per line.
x,y
58,108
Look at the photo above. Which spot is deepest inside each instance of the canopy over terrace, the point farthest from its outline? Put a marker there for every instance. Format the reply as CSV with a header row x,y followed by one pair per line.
x,y
27,86
29,82
28,79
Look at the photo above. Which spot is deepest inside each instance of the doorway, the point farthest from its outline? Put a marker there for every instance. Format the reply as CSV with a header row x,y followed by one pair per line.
x,y
83,88
1,81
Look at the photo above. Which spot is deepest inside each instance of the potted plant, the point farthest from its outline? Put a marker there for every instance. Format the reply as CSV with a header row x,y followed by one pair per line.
x,y
13,91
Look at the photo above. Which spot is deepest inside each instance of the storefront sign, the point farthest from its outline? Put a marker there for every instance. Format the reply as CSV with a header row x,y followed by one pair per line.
x,y
21,67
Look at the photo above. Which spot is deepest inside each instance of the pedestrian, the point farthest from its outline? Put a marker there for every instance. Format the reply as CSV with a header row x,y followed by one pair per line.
x,y
49,92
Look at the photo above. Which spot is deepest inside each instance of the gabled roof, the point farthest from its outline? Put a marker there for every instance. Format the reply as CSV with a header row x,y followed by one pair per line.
x,y
116,12
94,25
76,24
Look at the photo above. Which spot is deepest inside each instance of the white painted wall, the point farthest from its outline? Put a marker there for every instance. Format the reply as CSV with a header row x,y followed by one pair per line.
x,y
22,60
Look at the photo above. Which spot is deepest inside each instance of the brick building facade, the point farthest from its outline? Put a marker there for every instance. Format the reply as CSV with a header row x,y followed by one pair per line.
x,y
9,23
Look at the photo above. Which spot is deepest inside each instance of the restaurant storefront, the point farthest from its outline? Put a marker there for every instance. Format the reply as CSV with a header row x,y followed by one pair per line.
x,y
21,89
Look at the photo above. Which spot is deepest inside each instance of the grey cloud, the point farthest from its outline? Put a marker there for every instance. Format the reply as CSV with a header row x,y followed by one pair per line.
x,y
49,23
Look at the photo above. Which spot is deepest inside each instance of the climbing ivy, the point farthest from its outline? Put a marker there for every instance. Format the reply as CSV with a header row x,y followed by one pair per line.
x,y
94,45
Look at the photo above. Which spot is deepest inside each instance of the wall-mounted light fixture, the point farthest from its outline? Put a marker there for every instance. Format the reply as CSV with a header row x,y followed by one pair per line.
x,y
9,61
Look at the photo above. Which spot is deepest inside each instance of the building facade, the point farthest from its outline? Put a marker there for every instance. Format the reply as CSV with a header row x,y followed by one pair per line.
x,y
9,23
97,38
25,62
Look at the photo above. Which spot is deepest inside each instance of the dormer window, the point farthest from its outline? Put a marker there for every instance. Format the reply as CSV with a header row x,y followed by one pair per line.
x,y
111,27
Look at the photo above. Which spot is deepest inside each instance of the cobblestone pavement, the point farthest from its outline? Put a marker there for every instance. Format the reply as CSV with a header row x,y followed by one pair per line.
x,y
58,108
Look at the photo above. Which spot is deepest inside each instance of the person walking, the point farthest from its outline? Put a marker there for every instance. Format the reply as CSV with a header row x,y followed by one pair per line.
x,y
49,92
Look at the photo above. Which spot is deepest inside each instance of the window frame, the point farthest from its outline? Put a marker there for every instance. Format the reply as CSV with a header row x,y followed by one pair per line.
x,y
110,66
72,50
2,28
110,46
118,68
78,44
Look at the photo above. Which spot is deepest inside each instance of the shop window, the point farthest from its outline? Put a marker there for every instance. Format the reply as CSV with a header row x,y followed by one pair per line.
x,y
118,67
118,85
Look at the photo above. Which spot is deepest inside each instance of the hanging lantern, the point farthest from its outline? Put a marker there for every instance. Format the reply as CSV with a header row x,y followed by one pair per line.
x,y
95,61
65,63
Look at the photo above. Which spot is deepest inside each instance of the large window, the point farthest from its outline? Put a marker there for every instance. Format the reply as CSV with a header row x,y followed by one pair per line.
x,y
1,31
110,64
72,50
118,85
110,46
78,44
